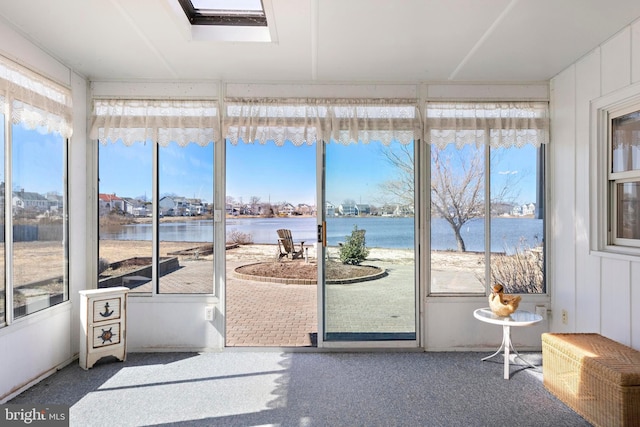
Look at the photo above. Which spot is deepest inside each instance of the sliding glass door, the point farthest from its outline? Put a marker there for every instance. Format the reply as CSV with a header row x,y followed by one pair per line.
x,y
369,289
365,179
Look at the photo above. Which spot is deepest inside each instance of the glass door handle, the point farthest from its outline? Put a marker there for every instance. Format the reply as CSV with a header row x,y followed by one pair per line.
x,y
322,233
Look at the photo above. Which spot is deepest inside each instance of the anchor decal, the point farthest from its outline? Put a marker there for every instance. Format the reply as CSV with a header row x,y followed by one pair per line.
x,y
106,313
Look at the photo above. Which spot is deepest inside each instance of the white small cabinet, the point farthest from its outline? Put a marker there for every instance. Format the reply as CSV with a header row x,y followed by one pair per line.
x,y
103,320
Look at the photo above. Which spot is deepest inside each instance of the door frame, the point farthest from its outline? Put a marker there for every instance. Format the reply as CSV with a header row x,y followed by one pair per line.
x,y
421,240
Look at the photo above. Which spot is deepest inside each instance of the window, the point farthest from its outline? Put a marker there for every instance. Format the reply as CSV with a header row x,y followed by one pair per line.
x,y
624,177
155,201
39,250
125,209
186,233
35,126
517,220
615,167
224,12
487,196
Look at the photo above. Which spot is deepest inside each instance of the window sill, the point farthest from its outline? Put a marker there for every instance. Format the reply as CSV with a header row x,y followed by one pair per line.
x,y
625,254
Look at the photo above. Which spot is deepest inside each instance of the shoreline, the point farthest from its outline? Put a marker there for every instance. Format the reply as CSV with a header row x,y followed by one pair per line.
x,y
37,260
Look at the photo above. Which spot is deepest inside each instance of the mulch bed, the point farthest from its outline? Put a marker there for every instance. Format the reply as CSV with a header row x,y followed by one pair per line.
x,y
308,271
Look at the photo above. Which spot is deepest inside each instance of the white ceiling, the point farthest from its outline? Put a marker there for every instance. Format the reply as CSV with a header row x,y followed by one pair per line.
x,y
326,40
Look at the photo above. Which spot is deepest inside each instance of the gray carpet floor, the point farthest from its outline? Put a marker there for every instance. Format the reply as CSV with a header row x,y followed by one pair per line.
x,y
274,388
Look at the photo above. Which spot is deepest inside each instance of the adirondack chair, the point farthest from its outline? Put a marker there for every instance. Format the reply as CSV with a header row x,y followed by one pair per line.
x,y
286,245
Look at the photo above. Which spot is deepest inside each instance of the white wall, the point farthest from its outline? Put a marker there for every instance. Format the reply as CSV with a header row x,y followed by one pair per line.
x,y
35,345
173,323
600,293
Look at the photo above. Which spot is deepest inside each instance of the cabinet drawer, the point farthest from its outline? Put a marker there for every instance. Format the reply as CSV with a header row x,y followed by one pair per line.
x,y
106,334
107,309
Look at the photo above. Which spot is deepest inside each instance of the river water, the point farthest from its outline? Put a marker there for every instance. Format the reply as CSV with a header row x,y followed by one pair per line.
x,y
383,232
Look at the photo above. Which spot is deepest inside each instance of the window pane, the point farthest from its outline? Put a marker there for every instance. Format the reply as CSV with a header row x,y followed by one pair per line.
x,y
186,222
628,210
517,219
125,206
457,219
269,188
370,222
626,142
38,202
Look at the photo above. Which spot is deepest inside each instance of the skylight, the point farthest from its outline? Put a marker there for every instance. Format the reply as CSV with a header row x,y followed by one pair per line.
x,y
248,13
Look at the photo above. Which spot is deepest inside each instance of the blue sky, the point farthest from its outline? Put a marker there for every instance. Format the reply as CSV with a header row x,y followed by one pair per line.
x,y
184,171
288,173
277,174
38,161
518,168
272,173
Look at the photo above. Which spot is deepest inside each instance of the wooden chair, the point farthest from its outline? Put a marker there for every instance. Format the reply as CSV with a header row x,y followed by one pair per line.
x,y
286,245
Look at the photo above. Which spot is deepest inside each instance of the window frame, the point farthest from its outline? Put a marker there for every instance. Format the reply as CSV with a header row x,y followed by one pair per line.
x,y
601,221
235,17
615,178
488,125
39,104
543,153
165,120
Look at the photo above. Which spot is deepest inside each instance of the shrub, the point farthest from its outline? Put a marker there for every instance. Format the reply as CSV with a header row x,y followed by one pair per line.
x,y
235,236
354,251
521,272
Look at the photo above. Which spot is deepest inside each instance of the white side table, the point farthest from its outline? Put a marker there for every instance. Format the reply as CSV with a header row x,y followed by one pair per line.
x,y
517,318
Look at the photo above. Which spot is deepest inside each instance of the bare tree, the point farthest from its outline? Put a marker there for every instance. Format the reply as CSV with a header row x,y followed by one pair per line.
x,y
457,187
457,195
457,184
267,210
400,189
254,202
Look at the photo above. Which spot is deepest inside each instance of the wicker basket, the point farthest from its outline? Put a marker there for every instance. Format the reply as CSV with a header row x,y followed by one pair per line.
x,y
595,376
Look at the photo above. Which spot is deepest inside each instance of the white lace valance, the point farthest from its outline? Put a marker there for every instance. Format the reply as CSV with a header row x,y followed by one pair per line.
x,y
376,120
498,124
161,121
307,121
262,120
33,100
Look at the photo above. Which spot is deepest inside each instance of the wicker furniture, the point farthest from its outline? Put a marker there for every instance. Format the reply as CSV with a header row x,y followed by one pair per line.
x,y
595,376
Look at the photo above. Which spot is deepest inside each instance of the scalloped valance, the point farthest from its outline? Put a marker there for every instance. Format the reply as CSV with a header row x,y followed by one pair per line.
x,y
163,121
498,124
305,121
33,100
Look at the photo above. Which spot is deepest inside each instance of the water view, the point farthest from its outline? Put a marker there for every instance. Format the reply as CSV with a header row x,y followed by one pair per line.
x,y
383,232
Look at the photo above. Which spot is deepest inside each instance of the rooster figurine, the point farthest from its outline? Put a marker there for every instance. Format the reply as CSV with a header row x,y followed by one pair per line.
x,y
503,304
